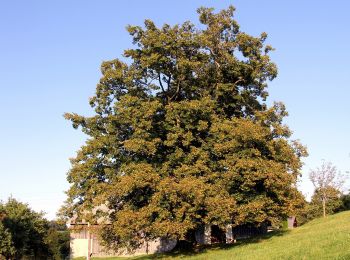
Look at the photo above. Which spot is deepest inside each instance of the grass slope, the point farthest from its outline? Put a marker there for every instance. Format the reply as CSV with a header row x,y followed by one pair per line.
x,y
327,238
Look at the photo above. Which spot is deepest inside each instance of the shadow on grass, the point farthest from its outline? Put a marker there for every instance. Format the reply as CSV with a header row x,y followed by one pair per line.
x,y
198,250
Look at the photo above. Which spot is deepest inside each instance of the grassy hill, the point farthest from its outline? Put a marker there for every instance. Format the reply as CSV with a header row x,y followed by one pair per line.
x,y
327,238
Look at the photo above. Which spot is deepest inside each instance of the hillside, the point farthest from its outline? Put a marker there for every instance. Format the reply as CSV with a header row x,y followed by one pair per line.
x,y
327,238
320,239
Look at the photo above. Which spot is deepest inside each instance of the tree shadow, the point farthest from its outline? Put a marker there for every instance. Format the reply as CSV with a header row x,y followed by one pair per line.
x,y
198,250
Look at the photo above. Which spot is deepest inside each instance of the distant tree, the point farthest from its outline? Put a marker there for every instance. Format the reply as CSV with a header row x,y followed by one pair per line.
x,y
328,182
345,205
182,136
26,234
333,203
58,240
25,228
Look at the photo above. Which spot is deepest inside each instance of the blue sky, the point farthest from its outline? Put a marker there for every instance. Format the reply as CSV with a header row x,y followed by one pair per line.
x,y
50,53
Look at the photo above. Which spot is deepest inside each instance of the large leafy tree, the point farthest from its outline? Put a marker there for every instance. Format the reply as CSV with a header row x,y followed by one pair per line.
x,y
182,136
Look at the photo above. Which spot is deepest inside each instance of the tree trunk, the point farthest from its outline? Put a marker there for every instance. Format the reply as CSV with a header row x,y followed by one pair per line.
x,y
324,206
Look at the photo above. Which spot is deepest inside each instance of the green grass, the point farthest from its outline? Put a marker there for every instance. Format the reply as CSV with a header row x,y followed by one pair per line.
x,y
327,238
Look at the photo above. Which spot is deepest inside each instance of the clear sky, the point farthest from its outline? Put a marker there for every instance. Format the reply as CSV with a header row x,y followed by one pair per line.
x,y
50,53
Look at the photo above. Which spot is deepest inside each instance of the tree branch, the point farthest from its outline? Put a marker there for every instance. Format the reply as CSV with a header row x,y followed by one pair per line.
x,y
168,82
160,83
177,91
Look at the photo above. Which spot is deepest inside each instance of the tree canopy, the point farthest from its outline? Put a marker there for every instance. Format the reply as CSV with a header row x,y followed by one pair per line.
x,y
182,135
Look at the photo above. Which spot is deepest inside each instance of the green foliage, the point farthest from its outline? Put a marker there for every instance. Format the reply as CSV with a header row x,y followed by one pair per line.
x,y
27,229
345,202
27,234
333,202
336,202
6,245
182,135
328,182
58,240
